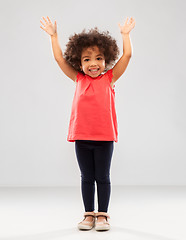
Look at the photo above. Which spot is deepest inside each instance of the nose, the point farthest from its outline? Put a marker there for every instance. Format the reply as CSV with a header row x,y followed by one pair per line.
x,y
93,63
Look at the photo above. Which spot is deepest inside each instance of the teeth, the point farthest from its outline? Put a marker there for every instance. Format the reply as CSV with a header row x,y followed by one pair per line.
x,y
95,70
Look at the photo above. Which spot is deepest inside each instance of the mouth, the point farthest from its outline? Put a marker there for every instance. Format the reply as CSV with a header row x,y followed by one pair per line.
x,y
94,70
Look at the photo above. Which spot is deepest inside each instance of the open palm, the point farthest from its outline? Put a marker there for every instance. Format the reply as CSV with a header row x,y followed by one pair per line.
x,y
49,27
128,26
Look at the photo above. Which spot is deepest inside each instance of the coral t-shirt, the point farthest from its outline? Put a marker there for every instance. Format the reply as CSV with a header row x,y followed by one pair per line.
x,y
93,113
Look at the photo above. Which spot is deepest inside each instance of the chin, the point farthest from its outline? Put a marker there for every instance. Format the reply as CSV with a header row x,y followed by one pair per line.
x,y
94,76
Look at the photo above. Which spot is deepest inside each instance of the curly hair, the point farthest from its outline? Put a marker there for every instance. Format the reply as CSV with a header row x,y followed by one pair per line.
x,y
78,42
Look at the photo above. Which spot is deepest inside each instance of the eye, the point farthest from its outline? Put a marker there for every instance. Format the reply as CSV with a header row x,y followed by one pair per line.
x,y
99,58
86,59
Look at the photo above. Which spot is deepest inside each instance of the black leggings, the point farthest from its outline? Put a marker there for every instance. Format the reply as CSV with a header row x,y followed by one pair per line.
x,y
94,159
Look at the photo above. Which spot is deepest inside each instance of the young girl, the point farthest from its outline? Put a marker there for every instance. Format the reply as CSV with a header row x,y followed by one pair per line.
x,y
93,123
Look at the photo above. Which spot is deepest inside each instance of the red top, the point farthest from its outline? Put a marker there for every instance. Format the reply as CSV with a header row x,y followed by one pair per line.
x,y
93,114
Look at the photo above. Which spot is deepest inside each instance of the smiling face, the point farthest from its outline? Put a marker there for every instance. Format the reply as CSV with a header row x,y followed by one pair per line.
x,y
92,61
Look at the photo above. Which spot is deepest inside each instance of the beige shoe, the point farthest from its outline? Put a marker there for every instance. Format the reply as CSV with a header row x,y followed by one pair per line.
x,y
103,225
87,225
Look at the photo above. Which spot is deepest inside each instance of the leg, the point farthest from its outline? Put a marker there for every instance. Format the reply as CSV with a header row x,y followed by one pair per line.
x,y
86,164
102,157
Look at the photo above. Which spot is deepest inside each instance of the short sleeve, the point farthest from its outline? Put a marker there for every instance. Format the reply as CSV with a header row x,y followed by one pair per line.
x,y
79,76
109,74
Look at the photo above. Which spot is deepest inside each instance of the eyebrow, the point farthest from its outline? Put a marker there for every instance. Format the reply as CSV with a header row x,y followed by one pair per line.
x,y
96,55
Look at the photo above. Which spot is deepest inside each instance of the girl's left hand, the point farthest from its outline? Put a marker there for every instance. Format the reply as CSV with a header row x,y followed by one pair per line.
x,y
127,27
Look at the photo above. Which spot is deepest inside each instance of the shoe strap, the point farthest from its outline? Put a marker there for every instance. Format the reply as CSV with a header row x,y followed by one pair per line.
x,y
102,214
89,214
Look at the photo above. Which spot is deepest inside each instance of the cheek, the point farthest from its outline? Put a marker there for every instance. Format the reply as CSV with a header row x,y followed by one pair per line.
x,y
103,64
84,66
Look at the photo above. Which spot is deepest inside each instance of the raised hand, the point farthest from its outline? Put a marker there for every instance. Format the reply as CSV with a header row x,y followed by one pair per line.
x,y
128,26
49,27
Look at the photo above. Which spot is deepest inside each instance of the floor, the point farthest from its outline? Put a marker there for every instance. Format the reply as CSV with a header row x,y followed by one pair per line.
x,y
137,212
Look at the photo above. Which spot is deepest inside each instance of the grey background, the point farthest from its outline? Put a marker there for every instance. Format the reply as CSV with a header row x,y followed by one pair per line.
x,y
36,96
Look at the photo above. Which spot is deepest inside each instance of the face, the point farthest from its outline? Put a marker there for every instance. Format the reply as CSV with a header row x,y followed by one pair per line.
x,y
92,61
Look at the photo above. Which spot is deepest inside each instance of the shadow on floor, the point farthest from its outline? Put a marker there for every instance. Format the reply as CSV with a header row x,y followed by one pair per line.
x,y
137,233
45,235
74,231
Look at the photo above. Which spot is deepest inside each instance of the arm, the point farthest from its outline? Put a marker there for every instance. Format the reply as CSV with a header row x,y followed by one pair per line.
x,y
51,29
58,55
122,64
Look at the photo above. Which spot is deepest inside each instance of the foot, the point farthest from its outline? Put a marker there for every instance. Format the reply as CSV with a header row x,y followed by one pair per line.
x,y
101,219
87,223
89,218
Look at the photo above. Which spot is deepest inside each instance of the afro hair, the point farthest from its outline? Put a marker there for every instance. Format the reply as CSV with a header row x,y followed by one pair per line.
x,y
78,42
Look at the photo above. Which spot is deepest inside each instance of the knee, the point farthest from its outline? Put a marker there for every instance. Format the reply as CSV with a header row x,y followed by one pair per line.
x,y
103,179
88,179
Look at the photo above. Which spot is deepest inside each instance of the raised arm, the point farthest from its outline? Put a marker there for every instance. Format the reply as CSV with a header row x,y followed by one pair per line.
x,y
58,55
122,64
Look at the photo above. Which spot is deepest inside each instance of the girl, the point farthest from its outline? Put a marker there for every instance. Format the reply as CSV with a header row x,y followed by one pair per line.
x,y
93,123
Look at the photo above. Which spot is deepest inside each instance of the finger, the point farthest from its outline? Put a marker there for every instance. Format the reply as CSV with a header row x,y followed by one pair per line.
x,y
55,26
45,19
133,23
42,28
42,23
48,19
133,20
127,19
119,25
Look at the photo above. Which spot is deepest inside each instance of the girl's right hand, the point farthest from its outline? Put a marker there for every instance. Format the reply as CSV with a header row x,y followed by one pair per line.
x,y
49,27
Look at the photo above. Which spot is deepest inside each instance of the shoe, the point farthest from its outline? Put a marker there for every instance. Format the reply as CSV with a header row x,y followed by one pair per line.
x,y
104,225
87,225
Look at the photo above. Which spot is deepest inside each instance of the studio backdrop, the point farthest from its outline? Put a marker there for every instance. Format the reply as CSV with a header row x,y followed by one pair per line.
x,y
36,96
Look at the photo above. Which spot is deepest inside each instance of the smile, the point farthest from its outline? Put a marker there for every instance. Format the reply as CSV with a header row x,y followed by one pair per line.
x,y
95,70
